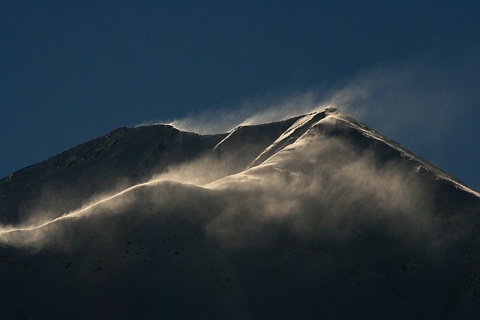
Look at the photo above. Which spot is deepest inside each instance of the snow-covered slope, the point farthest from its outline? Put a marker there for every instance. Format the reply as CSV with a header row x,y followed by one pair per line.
x,y
312,217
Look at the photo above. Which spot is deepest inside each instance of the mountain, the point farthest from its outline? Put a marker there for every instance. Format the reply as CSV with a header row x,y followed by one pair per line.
x,y
313,217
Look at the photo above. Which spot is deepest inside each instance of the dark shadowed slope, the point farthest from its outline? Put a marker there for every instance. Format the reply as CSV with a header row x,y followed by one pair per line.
x,y
315,217
124,157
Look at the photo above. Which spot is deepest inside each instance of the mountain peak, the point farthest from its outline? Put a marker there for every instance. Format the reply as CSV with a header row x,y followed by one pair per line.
x,y
217,223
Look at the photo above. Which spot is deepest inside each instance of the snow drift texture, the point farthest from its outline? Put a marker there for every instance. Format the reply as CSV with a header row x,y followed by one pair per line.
x,y
314,217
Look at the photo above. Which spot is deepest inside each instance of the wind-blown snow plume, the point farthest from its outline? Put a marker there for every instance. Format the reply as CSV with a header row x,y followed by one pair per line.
x,y
271,108
428,98
319,185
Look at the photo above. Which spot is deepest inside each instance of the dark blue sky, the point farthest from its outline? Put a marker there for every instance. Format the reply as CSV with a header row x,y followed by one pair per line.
x,y
71,71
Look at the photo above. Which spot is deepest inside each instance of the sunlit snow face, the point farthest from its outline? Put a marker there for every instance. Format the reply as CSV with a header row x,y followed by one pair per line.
x,y
322,187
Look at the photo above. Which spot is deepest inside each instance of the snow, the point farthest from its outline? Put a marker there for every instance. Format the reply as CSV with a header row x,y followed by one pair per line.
x,y
292,134
315,216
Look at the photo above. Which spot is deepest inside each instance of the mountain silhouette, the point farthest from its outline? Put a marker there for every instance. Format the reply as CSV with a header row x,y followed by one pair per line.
x,y
312,217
